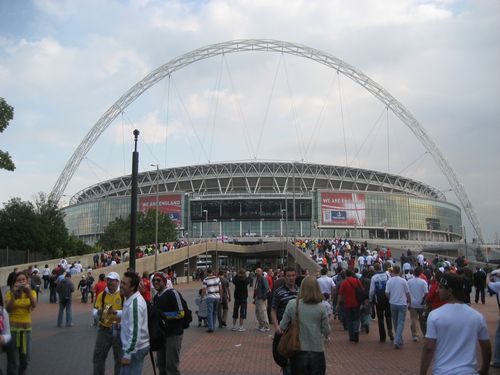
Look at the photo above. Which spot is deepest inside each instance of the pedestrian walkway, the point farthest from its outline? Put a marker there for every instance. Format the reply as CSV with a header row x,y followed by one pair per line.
x,y
69,350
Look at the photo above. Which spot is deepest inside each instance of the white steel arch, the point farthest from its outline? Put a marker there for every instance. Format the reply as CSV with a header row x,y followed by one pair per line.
x,y
269,46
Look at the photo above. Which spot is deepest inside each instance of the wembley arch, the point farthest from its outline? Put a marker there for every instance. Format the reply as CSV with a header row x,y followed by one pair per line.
x,y
265,45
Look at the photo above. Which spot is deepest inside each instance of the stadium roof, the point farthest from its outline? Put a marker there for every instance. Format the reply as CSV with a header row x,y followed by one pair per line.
x,y
258,178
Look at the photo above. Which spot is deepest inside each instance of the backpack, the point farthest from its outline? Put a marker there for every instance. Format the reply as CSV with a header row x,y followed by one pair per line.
x,y
157,326
182,312
380,295
360,293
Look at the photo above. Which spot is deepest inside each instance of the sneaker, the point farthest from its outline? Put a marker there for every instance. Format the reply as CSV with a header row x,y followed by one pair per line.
x,y
262,329
267,329
415,338
241,329
235,328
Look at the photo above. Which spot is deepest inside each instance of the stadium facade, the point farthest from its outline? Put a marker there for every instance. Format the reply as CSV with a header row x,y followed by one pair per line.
x,y
274,199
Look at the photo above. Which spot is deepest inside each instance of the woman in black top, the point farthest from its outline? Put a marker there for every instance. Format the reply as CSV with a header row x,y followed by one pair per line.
x,y
241,283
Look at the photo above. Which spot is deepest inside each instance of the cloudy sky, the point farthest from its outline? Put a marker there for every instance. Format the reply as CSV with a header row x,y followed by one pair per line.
x,y
64,63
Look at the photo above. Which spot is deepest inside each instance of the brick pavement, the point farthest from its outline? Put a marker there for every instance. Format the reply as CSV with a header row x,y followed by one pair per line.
x,y
69,350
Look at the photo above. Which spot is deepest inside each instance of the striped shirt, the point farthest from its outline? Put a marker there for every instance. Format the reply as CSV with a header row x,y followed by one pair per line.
x,y
280,299
211,284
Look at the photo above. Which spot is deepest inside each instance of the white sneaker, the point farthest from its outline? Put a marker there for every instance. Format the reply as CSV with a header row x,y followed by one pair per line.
x,y
415,338
241,329
234,328
262,329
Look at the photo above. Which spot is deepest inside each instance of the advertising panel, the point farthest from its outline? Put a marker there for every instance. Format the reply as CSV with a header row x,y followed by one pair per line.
x,y
170,204
343,209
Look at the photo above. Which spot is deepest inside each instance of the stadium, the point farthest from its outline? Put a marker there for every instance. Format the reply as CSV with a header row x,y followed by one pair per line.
x,y
273,199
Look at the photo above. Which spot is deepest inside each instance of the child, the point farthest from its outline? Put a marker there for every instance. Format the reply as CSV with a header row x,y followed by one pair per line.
x,y
202,312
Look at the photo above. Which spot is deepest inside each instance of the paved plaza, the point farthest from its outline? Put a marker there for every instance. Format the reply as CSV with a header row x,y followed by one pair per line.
x,y
69,350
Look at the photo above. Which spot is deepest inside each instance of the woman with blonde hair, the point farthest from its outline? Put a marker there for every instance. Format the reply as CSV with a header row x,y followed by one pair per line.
x,y
313,328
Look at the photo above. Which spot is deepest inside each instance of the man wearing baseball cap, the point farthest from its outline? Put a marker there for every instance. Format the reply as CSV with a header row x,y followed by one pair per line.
x,y
453,331
108,309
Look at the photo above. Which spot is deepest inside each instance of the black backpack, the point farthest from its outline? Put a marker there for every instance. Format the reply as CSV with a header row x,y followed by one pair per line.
x,y
188,318
157,326
183,310
380,295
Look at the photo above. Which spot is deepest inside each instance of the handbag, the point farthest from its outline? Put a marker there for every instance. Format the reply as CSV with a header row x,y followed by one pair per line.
x,y
289,344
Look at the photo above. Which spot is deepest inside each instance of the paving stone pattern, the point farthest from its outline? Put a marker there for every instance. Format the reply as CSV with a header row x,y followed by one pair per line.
x,y
69,350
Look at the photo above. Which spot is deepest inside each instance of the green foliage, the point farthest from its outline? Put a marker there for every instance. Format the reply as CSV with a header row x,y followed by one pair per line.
x,y
55,234
6,114
38,227
117,233
19,226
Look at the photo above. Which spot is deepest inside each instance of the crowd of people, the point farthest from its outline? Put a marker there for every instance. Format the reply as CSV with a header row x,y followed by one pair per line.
x,y
358,286
354,287
121,310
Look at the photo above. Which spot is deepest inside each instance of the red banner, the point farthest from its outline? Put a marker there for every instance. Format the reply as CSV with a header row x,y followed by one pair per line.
x,y
343,209
169,204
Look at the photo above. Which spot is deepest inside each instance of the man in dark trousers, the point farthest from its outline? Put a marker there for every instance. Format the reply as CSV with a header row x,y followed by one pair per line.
x,y
479,282
167,301
65,289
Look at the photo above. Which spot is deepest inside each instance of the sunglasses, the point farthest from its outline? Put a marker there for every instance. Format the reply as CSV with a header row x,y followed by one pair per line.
x,y
157,280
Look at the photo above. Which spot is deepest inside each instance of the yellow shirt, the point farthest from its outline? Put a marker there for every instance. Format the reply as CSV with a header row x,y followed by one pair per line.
x,y
21,311
111,300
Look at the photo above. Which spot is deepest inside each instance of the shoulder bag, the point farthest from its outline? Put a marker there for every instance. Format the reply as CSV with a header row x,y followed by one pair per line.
x,y
289,344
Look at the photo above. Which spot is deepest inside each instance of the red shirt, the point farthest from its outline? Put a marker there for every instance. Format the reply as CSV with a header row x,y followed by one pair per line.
x,y
433,296
348,290
146,291
99,287
270,282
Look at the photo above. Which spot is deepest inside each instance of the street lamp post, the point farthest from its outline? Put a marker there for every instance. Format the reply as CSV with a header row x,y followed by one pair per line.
x,y
133,203
206,238
157,207
282,252
188,274
216,252
465,242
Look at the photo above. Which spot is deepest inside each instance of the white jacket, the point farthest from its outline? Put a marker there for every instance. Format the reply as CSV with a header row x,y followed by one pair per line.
x,y
134,326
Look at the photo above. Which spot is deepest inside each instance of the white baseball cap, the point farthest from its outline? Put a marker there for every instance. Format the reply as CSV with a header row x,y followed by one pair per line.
x,y
113,276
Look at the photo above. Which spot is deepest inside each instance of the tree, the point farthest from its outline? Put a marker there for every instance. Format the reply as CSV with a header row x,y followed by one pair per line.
x,y
19,226
37,227
54,236
117,233
6,114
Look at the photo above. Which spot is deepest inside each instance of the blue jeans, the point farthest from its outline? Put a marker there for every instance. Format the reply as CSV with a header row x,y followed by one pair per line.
x,y
64,304
136,362
496,353
212,312
398,321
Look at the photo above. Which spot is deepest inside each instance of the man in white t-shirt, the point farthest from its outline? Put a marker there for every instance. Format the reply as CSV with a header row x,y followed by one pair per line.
x,y
326,284
418,291
451,342
399,297
420,259
361,262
